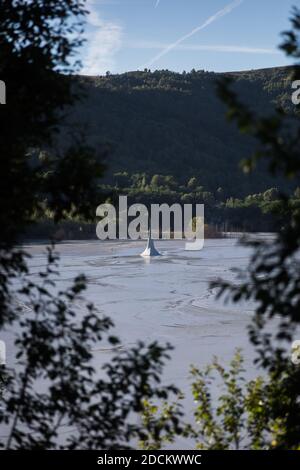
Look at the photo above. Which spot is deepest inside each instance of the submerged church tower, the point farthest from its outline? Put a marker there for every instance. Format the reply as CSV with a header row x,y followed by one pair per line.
x,y
150,248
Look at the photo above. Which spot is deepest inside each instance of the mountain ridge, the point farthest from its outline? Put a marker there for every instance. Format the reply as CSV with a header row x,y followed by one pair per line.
x,y
174,124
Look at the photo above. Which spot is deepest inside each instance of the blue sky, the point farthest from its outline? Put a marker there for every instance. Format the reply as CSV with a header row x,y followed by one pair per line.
x,y
214,35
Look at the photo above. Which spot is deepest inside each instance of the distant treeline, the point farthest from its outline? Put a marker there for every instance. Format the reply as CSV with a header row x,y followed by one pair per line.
x,y
254,212
260,212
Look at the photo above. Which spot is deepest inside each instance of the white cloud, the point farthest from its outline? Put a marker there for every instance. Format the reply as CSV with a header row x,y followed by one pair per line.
x,y
204,47
157,3
103,42
204,25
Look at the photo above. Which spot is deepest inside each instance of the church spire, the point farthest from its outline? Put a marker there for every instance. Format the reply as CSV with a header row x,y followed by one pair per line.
x,y
150,248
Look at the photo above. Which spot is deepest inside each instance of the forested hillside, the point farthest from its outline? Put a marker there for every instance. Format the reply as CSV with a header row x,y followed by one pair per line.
x,y
165,123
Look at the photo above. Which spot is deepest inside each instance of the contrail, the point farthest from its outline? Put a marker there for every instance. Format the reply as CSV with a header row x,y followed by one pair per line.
x,y
157,3
210,20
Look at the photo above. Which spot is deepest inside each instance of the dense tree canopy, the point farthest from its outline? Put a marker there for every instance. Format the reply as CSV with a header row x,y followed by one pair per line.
x,y
168,123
